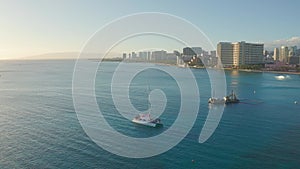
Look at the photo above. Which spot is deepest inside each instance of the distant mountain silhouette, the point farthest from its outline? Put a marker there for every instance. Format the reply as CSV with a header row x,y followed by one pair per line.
x,y
67,55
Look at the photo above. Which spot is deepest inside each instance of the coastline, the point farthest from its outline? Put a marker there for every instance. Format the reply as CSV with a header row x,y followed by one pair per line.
x,y
242,70
264,71
202,67
173,64
231,69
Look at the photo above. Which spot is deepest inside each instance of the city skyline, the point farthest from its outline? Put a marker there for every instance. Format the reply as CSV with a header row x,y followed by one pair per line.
x,y
34,28
231,54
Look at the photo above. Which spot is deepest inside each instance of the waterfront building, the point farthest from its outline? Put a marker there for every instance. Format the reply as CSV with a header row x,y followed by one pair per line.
x,y
158,55
171,56
225,52
247,53
179,61
148,55
143,55
240,53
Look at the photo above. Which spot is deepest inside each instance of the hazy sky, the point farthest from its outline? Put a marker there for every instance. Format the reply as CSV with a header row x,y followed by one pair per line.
x,y
43,26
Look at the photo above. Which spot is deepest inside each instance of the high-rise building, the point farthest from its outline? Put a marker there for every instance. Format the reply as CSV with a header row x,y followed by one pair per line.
x,y
188,51
171,56
265,53
148,55
143,55
276,54
124,56
225,52
133,55
180,61
197,50
240,53
176,53
159,55
204,53
283,54
292,51
298,52
213,53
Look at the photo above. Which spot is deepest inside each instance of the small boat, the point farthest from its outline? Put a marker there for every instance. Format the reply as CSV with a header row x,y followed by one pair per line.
x,y
146,120
280,77
214,100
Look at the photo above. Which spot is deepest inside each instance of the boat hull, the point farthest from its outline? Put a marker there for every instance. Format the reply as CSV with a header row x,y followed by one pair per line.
x,y
216,101
232,101
146,123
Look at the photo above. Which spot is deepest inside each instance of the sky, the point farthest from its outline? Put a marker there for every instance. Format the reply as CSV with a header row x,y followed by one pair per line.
x,y
35,27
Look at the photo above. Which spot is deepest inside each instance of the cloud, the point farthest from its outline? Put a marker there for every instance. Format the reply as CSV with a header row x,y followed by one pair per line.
x,y
293,41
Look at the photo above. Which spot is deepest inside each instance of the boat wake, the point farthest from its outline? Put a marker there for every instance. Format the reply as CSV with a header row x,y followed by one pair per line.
x,y
282,77
251,101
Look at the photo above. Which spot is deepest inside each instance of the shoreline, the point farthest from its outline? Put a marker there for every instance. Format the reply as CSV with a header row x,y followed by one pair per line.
x,y
168,64
242,70
264,71
231,69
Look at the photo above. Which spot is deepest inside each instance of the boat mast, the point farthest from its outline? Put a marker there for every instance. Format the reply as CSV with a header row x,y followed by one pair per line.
x,y
148,93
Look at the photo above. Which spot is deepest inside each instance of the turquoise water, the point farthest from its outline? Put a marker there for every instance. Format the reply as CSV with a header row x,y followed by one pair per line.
x,y
39,127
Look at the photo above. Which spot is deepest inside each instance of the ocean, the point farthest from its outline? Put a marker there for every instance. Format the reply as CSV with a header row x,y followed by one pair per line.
x,y
39,127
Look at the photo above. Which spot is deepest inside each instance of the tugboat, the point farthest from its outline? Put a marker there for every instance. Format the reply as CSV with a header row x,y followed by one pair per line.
x,y
231,98
226,100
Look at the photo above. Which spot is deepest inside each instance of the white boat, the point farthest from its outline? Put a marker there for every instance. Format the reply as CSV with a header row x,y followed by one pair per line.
x,y
214,100
146,120
280,77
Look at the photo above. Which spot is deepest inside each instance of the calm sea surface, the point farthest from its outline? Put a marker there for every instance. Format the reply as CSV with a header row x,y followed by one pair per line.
x,y
39,127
